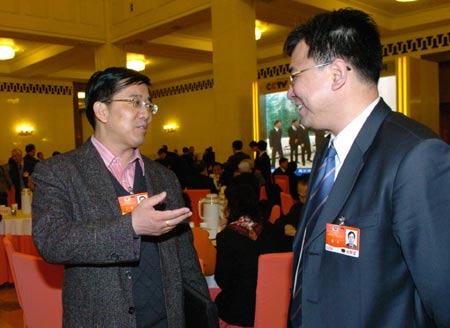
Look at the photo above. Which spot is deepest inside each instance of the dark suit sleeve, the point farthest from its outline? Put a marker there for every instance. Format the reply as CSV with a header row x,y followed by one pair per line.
x,y
421,222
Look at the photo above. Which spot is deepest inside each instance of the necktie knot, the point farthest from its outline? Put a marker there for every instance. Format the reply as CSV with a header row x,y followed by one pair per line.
x,y
331,152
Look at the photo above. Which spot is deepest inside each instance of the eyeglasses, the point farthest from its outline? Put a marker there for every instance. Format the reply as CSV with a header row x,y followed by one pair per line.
x,y
294,75
137,103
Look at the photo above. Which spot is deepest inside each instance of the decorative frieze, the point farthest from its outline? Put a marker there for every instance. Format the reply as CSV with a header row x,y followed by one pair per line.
x,y
49,89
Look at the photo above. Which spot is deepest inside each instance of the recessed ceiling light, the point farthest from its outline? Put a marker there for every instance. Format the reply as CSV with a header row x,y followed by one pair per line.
x,y
136,62
406,0
7,52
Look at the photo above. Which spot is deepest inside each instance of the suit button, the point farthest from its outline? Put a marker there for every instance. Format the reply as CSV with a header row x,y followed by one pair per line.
x,y
115,257
128,274
131,310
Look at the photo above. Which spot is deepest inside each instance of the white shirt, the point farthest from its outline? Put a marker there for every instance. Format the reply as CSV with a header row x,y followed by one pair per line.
x,y
344,140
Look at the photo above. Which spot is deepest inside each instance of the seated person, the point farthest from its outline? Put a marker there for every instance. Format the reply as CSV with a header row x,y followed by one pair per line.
x,y
217,174
245,175
238,247
289,223
200,179
282,169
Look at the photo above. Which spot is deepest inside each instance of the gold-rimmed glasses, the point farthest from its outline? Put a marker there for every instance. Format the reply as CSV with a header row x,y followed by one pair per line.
x,y
137,103
294,75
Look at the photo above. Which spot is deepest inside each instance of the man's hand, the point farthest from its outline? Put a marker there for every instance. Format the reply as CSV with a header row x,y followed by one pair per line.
x,y
148,221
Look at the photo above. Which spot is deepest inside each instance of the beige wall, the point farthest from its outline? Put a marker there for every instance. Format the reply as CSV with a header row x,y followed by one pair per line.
x,y
37,104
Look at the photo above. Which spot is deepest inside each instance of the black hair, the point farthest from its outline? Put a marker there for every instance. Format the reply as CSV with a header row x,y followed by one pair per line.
x,y
349,34
237,144
29,148
103,85
242,200
262,145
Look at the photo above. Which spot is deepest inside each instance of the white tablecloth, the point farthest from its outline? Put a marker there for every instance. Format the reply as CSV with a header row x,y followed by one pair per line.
x,y
16,225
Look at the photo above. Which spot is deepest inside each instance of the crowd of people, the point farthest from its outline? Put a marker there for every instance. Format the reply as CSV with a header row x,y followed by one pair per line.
x,y
248,232
17,173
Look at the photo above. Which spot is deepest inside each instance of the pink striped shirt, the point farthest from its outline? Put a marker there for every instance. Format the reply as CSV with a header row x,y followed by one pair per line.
x,y
125,176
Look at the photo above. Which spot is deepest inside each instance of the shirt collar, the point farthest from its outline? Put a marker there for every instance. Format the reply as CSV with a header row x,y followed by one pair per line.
x,y
108,157
344,140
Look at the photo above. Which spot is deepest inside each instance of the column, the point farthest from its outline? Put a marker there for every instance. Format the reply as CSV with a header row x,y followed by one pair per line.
x,y
234,66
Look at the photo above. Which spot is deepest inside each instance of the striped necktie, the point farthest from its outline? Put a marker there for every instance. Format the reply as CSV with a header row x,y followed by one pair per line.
x,y
319,194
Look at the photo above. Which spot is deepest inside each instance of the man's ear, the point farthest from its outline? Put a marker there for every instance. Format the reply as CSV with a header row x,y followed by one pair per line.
x,y
101,111
340,73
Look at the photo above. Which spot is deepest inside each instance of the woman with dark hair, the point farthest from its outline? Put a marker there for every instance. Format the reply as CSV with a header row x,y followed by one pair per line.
x,y
239,245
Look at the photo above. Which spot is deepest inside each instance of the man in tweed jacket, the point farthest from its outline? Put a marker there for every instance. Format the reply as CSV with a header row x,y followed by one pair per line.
x,y
121,270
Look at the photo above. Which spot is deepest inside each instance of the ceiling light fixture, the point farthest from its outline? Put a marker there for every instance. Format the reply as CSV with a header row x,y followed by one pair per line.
x,y
136,62
406,0
7,52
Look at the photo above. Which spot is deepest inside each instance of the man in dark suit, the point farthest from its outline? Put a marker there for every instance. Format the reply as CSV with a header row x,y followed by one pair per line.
x,y
122,268
15,170
305,143
200,179
388,175
29,162
275,141
282,168
294,140
231,165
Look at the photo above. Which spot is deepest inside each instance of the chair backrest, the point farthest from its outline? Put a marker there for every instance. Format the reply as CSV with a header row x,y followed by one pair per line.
x,y
286,202
10,249
283,182
262,193
275,213
11,195
273,290
39,285
194,196
205,250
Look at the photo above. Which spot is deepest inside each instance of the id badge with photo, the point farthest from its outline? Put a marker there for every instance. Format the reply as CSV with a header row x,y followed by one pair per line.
x,y
129,202
342,240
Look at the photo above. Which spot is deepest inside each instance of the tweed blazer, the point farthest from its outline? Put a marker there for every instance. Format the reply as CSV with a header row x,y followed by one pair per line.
x,y
77,222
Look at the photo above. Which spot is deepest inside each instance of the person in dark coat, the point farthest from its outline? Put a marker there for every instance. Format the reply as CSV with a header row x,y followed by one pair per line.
x,y
124,266
239,245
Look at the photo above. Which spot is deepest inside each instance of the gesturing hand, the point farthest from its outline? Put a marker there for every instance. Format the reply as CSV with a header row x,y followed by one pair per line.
x,y
148,221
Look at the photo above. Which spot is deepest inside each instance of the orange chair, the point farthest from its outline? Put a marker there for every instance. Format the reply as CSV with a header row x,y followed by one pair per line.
x,y
205,250
11,195
286,202
262,193
273,290
194,196
39,285
275,213
9,247
283,182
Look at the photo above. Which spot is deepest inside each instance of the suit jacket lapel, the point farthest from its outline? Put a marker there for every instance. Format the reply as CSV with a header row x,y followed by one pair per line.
x,y
350,169
97,177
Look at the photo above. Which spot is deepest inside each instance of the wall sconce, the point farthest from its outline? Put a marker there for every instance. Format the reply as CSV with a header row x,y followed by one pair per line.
x,y
25,130
260,27
169,128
